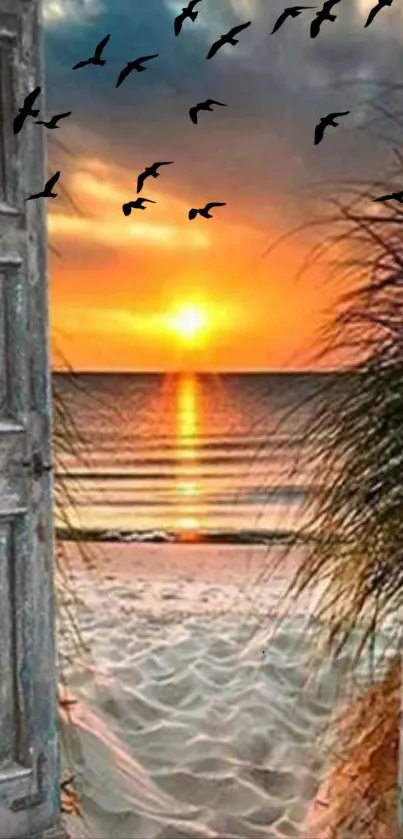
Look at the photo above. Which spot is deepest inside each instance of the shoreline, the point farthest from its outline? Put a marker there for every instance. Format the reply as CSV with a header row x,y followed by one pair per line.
x,y
181,537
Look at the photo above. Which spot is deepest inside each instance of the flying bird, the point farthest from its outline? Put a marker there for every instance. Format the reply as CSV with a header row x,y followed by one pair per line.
x,y
151,172
134,65
187,13
203,106
324,122
96,58
47,190
394,196
52,123
26,110
205,211
135,205
381,4
323,14
229,38
293,11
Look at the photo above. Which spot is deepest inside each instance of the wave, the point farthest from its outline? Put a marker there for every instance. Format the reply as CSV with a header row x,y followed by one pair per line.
x,y
207,500
235,537
163,477
214,442
252,493
226,458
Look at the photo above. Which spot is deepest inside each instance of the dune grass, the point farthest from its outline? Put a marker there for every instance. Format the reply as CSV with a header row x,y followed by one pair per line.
x,y
354,506
66,441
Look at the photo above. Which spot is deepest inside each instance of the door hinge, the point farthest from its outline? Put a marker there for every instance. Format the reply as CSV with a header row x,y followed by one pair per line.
x,y
38,797
37,466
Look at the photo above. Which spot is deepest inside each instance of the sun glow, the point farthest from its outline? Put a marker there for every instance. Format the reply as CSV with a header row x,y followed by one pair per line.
x,y
190,323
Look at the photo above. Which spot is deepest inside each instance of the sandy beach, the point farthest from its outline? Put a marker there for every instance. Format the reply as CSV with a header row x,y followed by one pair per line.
x,y
194,718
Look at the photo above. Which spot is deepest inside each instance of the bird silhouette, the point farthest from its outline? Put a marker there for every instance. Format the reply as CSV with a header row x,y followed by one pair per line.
x,y
381,4
203,106
47,190
324,122
229,38
323,14
52,123
293,11
205,211
187,13
136,205
134,65
26,110
96,58
151,172
394,196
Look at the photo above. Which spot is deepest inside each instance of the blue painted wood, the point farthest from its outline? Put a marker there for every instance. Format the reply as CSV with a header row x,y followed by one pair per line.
x,y
29,766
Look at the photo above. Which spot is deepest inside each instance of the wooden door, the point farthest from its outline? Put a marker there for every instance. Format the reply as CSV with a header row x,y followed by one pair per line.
x,y
29,797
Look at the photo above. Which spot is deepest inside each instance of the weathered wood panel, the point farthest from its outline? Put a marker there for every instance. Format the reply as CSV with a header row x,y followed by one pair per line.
x,y
7,681
13,338
29,780
8,59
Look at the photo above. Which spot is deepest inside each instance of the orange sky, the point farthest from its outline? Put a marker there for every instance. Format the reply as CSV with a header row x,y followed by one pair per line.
x,y
114,280
117,283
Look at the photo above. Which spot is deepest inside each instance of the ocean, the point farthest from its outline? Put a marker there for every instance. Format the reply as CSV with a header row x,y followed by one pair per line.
x,y
180,454
199,704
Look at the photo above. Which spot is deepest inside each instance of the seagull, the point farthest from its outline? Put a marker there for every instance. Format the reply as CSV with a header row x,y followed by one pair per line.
x,y
135,205
203,106
96,58
52,123
205,211
229,38
324,122
394,196
26,110
151,172
293,11
377,8
322,15
47,190
134,65
186,13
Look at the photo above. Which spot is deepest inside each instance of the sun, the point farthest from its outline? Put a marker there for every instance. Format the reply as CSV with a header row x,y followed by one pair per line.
x,y
189,323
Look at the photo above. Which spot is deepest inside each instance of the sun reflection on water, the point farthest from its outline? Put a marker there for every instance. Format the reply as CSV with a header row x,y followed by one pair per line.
x,y
188,419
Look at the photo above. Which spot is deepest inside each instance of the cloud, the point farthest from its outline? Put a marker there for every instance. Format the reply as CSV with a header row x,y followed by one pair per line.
x,y
246,8
271,85
106,232
100,190
56,12
255,155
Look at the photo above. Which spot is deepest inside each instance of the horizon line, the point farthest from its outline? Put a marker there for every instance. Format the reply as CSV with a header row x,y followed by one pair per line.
x,y
257,372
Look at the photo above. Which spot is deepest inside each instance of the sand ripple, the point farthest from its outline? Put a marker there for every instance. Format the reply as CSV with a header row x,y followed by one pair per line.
x,y
190,723
197,727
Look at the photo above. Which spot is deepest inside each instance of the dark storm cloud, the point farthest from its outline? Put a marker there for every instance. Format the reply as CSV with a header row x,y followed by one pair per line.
x,y
276,88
